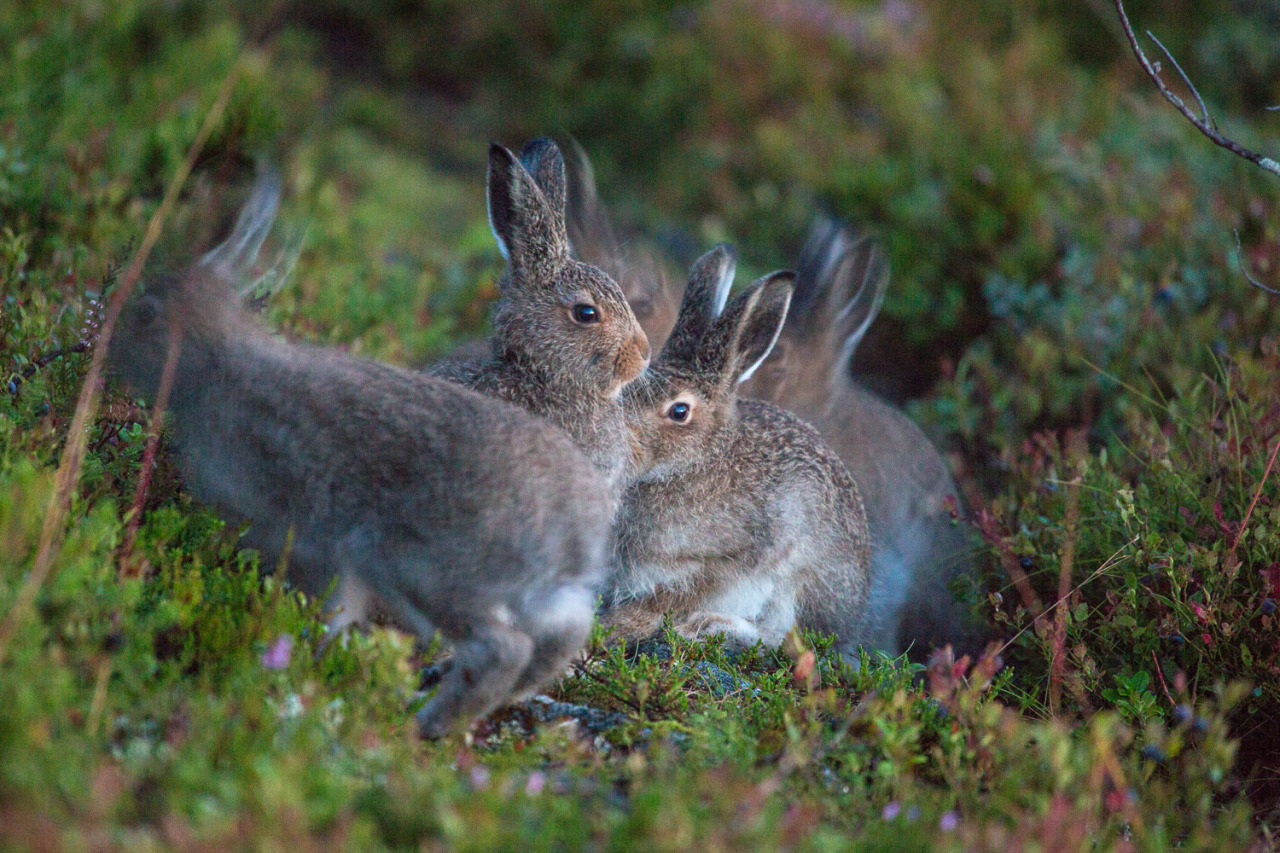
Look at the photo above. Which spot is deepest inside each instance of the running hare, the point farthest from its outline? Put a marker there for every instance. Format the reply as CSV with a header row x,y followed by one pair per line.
x,y
453,510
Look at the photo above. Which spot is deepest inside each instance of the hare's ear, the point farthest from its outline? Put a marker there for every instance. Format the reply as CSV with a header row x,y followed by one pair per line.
x,y
591,233
863,275
710,279
542,159
823,250
235,256
530,234
742,336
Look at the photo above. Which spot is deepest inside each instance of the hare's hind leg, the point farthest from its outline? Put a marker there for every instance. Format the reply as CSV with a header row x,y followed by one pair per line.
x,y
486,664
560,624
349,605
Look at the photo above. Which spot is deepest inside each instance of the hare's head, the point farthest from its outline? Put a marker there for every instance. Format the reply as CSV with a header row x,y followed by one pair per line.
x,y
555,313
683,410
194,307
840,284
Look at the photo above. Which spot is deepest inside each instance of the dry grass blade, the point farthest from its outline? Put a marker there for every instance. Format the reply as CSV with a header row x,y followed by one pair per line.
x,y
1256,494
1057,666
68,474
129,567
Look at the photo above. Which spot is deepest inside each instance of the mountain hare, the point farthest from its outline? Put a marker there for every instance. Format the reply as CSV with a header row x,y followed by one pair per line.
x,y
907,488
565,342
452,510
739,520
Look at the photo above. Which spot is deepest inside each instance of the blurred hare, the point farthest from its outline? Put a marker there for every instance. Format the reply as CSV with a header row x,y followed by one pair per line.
x,y
564,342
453,510
911,499
739,520
907,489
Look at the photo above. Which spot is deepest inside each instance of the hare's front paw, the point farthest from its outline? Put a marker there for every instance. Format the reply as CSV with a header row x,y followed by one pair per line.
x,y
738,633
633,620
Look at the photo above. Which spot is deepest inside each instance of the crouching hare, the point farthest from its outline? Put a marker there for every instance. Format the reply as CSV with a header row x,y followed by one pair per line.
x,y
453,511
738,520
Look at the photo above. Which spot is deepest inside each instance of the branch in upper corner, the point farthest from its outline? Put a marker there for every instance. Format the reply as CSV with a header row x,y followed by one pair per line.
x,y
1204,125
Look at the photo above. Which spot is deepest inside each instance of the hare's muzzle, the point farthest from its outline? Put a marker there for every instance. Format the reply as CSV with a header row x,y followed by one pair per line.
x,y
640,345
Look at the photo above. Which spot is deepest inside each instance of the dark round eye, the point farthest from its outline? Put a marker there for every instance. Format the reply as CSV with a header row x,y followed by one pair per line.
x,y
584,313
679,412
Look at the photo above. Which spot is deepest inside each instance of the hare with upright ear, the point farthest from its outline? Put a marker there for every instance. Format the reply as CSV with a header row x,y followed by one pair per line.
x,y
452,510
738,520
565,342
910,497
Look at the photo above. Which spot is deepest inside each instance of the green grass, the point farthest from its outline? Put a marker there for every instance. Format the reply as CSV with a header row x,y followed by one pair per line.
x,y
1066,292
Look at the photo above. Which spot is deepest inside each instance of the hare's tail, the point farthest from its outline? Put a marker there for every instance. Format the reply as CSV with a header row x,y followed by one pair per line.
x,y
841,278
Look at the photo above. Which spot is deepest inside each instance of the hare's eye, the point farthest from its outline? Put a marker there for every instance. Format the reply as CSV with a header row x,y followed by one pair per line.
x,y
585,313
678,412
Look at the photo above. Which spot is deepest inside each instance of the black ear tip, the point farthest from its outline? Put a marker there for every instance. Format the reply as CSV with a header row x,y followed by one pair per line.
x,y
499,156
535,149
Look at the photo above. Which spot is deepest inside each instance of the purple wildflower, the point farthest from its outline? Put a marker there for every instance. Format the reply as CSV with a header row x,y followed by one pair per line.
x,y
278,653
948,822
891,810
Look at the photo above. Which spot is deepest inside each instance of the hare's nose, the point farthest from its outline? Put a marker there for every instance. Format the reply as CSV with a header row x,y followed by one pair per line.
x,y
642,346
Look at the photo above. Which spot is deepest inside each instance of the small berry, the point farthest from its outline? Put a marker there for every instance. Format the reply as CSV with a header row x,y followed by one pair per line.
x,y
1182,714
13,387
1200,725
1268,606
1026,562
1151,752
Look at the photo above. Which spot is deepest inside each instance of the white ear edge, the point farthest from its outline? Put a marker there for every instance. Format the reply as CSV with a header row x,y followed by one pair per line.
x,y
725,283
746,374
502,244
232,258
872,311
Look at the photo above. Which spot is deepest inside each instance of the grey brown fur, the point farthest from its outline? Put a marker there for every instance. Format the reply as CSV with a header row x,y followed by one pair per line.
x,y
452,510
540,357
912,502
739,521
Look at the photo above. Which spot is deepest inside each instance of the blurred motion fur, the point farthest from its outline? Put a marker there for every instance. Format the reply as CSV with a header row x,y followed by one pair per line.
x,y
452,510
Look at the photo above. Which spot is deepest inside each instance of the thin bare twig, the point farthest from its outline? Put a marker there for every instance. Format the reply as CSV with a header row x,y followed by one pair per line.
x,y
68,473
1163,683
1202,125
1245,269
1204,111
